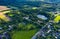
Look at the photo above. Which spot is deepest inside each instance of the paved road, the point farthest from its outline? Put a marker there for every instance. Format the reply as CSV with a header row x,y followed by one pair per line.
x,y
34,37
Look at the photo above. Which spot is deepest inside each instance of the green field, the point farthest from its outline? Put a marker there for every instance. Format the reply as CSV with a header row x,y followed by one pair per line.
x,y
24,34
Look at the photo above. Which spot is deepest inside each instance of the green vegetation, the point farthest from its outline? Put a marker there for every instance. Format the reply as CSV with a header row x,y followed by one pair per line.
x,y
24,34
23,22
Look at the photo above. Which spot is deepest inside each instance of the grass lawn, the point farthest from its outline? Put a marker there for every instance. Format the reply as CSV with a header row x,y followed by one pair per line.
x,y
24,34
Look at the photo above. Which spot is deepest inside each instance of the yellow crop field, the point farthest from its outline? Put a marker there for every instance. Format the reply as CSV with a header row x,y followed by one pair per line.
x,y
57,19
3,16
